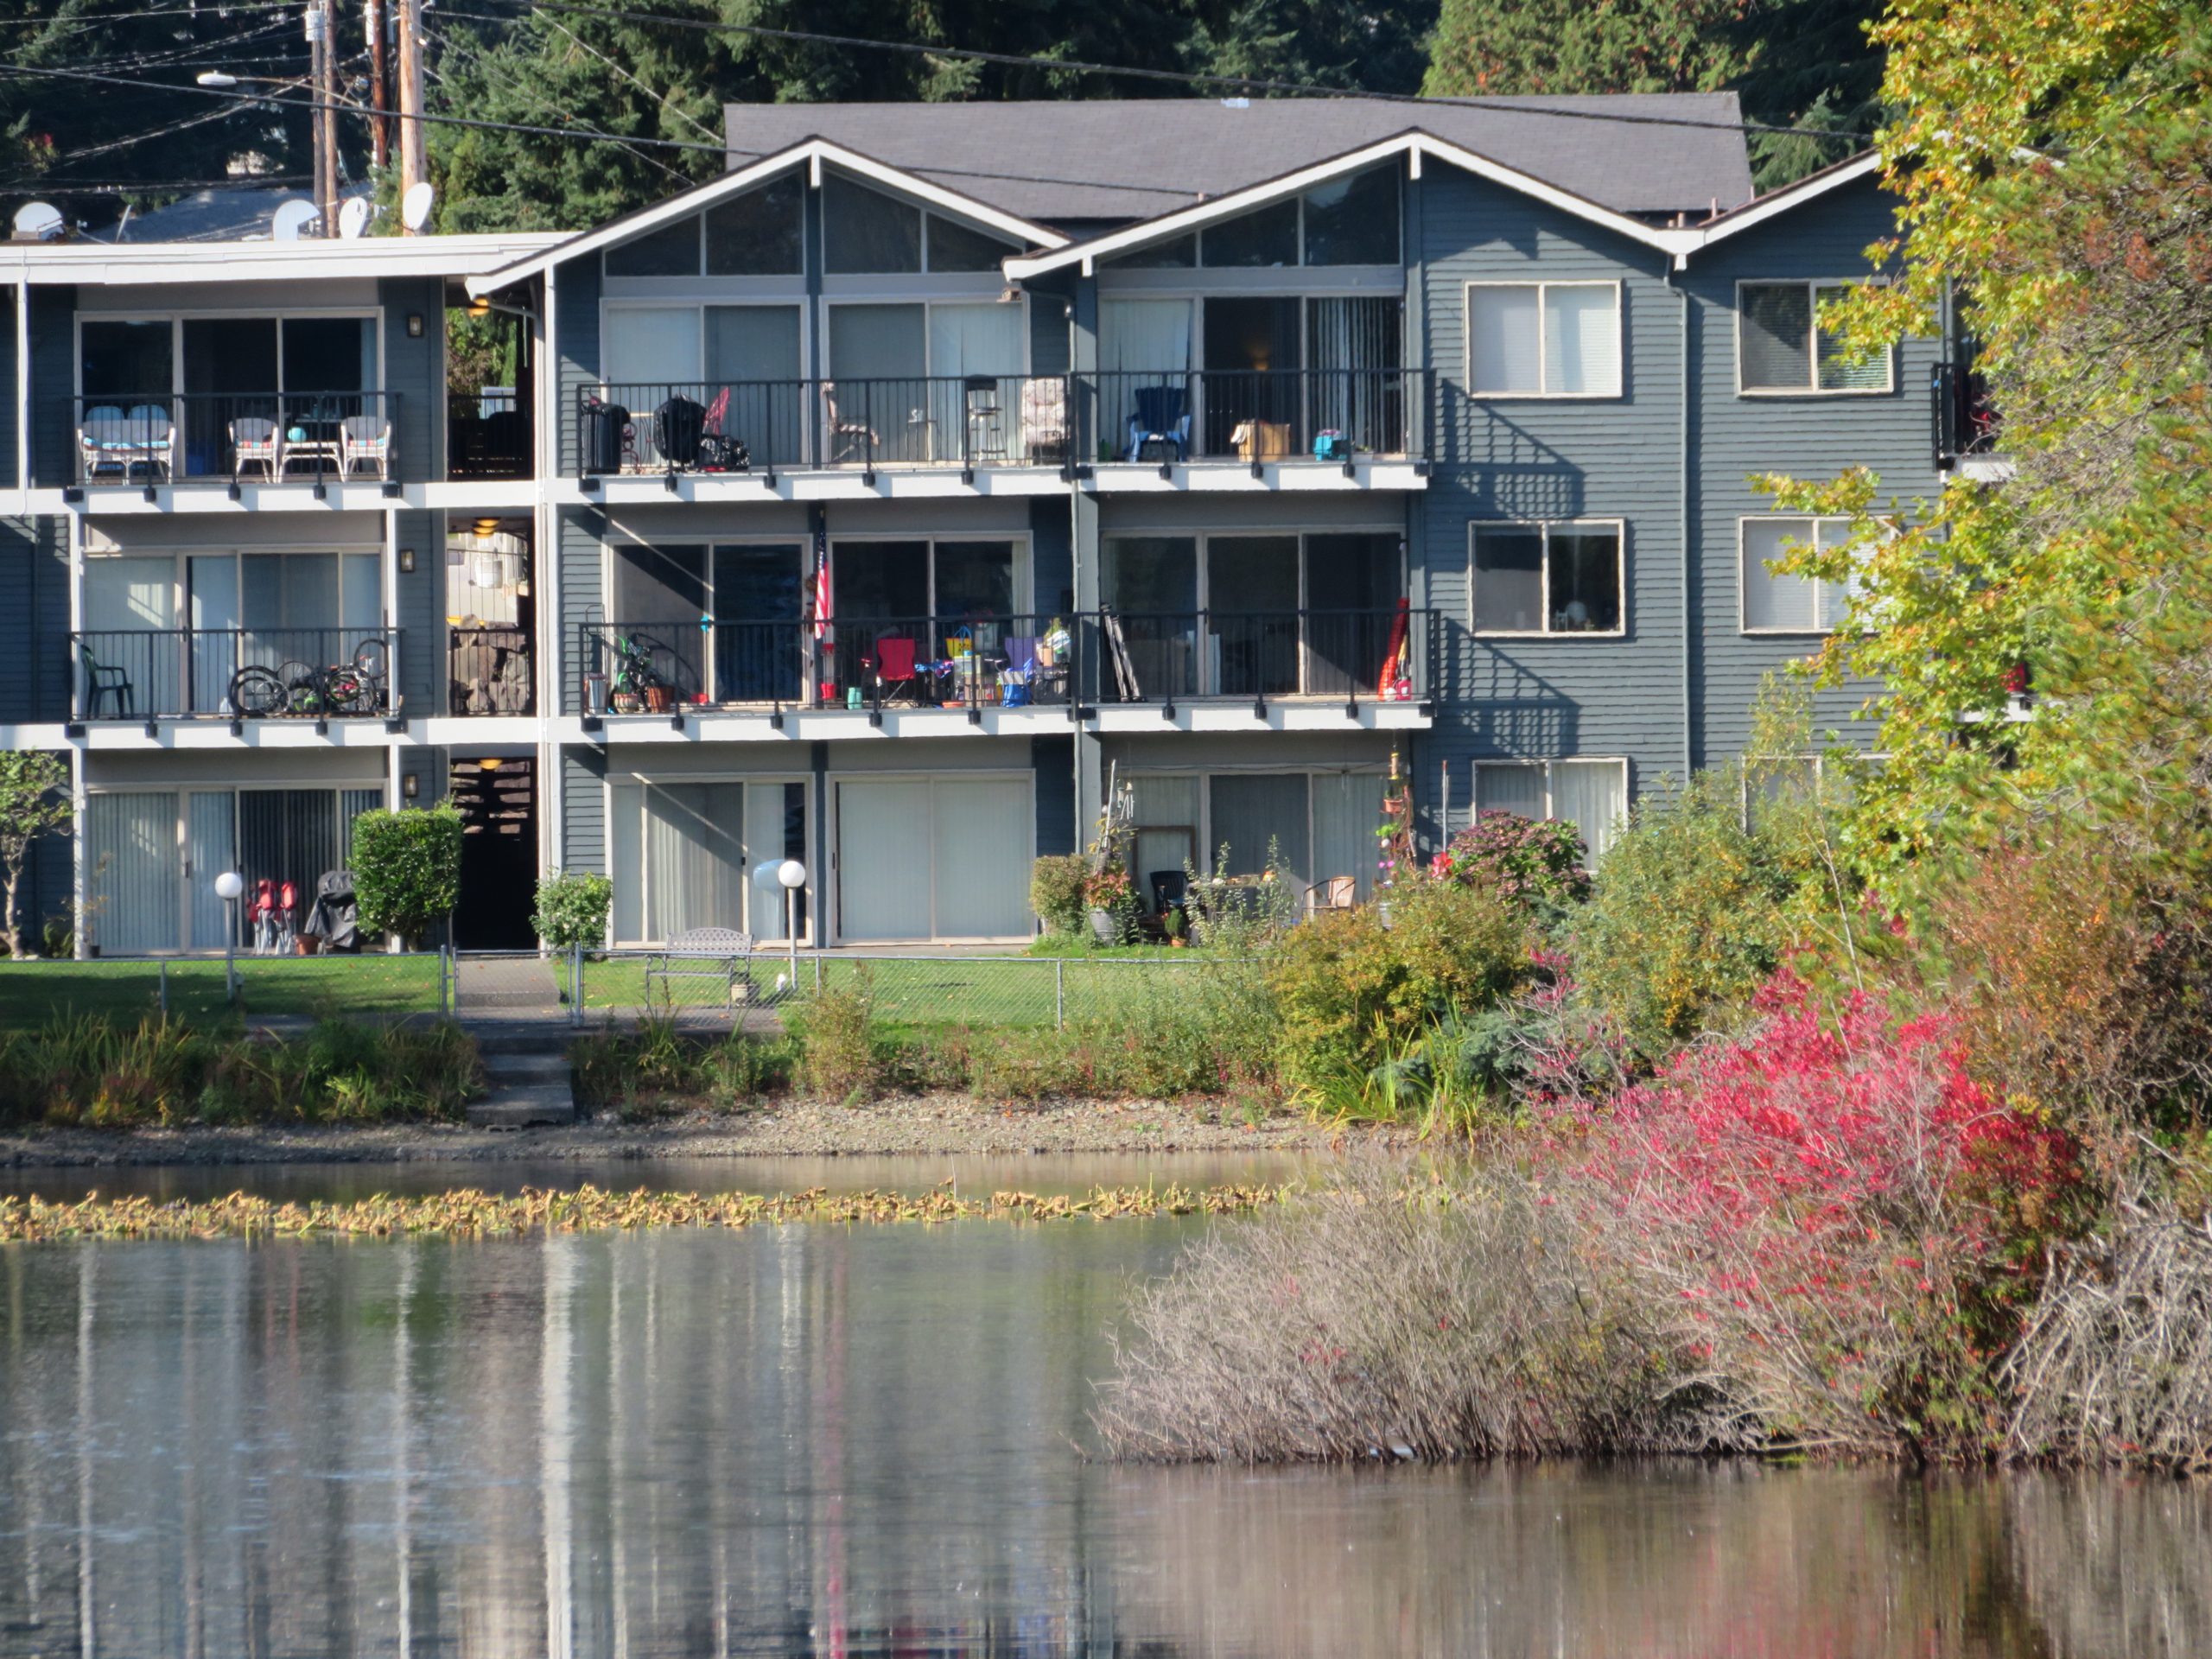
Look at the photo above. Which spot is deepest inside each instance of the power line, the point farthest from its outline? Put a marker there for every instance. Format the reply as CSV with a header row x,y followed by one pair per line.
x,y
1301,89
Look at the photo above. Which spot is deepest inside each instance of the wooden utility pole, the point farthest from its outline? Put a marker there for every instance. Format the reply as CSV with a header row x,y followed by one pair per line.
x,y
323,32
380,128
413,168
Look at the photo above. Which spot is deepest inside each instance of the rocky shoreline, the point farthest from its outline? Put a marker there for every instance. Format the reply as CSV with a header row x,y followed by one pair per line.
x,y
929,1125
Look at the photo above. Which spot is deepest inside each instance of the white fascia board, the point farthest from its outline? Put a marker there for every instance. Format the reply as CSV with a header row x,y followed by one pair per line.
x,y
1781,201
102,264
1415,145
812,153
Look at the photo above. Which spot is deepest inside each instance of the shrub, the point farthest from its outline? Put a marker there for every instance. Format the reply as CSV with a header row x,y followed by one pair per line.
x,y
1846,1223
1381,1316
1689,918
1537,862
1056,893
407,869
656,1066
838,1039
572,908
33,801
1349,988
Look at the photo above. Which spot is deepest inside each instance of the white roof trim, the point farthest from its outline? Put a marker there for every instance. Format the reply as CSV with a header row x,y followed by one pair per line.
x,y
1760,209
812,152
1414,145
116,263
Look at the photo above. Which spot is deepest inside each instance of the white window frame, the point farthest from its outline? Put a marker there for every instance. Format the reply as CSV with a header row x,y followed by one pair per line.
x,y
1551,804
1821,625
1619,526
831,892
798,539
1208,845
1813,387
177,318
1543,286
633,779
1019,540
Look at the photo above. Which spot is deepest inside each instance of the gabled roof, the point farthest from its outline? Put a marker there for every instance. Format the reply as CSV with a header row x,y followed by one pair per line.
x,y
812,152
1415,147
1812,186
1097,162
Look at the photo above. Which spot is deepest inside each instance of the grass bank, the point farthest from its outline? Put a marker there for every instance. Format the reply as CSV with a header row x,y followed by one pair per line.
x,y
470,1213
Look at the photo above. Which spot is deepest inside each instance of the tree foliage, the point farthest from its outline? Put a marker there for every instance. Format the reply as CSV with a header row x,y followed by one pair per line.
x,y
407,869
33,803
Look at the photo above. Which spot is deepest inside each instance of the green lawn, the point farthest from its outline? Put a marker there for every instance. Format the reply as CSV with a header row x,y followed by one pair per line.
x,y
32,992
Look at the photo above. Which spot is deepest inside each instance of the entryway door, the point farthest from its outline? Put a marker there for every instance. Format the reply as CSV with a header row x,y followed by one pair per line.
x,y
934,858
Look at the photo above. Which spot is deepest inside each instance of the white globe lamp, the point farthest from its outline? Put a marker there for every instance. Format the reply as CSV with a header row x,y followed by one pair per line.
x,y
792,874
228,888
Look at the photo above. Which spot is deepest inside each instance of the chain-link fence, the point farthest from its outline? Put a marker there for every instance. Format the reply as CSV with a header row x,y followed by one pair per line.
x,y
579,988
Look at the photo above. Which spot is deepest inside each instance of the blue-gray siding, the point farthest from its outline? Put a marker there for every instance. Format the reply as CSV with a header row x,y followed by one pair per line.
x,y
575,348
414,370
10,416
420,613
54,384
34,603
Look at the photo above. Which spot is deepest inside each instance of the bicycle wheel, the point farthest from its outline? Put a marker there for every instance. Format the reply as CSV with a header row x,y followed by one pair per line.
x,y
302,688
372,658
345,692
256,692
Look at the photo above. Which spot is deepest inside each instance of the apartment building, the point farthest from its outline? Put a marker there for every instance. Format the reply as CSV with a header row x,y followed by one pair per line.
x,y
878,502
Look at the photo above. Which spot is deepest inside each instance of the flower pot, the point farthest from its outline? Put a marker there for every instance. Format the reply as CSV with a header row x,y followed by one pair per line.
x,y
1106,926
307,944
657,700
626,702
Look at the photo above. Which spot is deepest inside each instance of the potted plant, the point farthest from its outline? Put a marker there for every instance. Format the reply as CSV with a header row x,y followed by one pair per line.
x,y
657,700
625,703
1177,925
1112,902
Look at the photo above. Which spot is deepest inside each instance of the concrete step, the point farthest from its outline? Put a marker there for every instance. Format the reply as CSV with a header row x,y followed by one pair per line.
x,y
539,1067
520,1106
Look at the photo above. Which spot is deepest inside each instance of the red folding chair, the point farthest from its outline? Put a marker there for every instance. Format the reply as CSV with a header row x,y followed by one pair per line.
x,y
894,666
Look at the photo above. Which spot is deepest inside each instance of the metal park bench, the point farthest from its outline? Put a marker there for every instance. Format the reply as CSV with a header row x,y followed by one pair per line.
x,y
721,953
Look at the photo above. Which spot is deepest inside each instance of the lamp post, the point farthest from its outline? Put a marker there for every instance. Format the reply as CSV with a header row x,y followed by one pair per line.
x,y
792,874
228,886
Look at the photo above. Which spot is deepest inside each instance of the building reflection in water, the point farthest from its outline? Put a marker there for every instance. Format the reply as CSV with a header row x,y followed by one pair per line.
x,y
866,1441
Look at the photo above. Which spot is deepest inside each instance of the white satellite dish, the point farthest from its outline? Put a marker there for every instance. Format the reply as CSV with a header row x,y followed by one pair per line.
x,y
291,219
353,218
39,221
415,206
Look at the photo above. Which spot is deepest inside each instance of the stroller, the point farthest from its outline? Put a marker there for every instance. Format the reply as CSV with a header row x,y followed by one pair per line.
x,y
335,917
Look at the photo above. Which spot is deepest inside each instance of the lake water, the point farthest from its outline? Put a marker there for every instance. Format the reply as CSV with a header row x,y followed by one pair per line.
x,y
870,1441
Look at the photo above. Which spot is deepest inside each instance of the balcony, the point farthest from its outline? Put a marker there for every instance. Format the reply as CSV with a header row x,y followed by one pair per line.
x,y
490,670
488,435
236,438
973,422
1336,660
1964,423
288,675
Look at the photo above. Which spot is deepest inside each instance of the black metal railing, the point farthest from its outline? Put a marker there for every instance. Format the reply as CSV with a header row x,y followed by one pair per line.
x,y
1254,416
488,435
1962,417
317,437
1365,656
963,420
489,671
144,674
872,662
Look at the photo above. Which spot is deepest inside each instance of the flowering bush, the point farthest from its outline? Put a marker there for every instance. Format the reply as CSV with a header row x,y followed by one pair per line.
x,y
1108,889
1537,862
1848,1224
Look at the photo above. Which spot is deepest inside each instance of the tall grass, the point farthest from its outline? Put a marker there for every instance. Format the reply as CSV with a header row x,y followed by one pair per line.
x,y
657,1067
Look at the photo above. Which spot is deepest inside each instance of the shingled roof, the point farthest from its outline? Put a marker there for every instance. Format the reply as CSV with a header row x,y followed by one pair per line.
x,y
1093,163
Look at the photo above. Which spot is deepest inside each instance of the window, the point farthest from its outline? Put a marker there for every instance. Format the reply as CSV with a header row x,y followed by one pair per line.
x,y
1592,795
680,852
1320,825
757,234
1547,578
867,233
1354,221
1177,253
1267,236
1777,603
1544,340
953,246
1781,345
671,251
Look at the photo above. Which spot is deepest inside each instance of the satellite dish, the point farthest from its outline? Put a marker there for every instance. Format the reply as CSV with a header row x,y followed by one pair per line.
x,y
415,206
39,221
353,218
291,219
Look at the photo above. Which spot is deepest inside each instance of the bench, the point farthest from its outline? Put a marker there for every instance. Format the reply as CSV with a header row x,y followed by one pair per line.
x,y
721,953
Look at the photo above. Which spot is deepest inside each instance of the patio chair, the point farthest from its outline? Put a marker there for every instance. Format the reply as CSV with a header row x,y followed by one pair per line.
x,y
1169,889
984,411
256,442
365,440
104,442
105,682
1017,682
893,657
1161,418
848,440
1045,419
153,438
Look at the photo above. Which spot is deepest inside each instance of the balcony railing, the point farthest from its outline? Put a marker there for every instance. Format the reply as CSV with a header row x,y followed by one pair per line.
x,y
963,421
239,674
1961,416
872,662
487,435
285,437
489,671
1367,655
1254,416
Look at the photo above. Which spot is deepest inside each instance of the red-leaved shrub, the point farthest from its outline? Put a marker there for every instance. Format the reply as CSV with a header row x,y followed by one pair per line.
x,y
1847,1224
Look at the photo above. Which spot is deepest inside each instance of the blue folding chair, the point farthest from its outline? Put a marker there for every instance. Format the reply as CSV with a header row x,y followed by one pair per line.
x,y
1160,418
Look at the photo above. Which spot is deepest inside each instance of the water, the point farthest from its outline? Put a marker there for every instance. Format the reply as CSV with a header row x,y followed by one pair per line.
x,y
868,1441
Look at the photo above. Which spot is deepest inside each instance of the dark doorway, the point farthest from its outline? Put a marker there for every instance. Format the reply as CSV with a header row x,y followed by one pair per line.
x,y
498,799
1252,360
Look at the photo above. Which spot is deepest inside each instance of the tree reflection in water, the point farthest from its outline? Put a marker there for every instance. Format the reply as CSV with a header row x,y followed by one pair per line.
x,y
864,1441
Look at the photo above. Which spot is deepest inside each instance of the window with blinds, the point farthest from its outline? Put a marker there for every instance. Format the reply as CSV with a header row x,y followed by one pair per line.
x,y
1592,795
1775,602
1544,340
1784,345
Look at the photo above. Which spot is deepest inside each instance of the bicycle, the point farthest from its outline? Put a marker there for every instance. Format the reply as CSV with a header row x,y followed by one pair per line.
x,y
634,674
297,687
359,687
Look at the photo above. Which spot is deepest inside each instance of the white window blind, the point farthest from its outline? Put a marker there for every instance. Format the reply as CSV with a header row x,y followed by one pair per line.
x,y
1543,339
1592,795
1783,345
1777,603
133,869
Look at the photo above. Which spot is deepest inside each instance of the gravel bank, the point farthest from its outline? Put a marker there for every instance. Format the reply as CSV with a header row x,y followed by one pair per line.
x,y
936,1125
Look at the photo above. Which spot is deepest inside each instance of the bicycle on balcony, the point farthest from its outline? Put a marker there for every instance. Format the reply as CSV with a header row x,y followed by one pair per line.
x,y
358,687
637,685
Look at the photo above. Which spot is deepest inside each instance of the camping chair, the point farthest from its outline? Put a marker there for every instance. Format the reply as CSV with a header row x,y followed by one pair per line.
x,y
1044,418
104,442
1160,418
153,439
105,682
365,440
256,441
1337,893
894,666
1017,684
985,413
848,440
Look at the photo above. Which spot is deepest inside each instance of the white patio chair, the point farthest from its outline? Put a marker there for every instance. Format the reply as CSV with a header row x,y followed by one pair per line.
x,y
153,439
365,440
103,443
257,441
